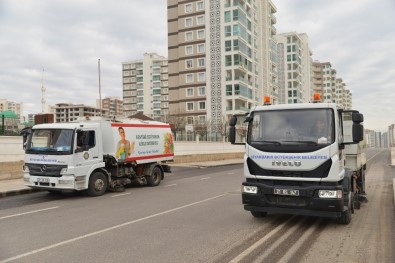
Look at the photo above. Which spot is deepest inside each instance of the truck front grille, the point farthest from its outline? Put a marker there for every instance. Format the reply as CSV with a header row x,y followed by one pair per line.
x,y
320,172
50,170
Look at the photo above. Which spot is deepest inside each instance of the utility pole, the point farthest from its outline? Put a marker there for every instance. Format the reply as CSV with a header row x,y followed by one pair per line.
x,y
100,88
42,93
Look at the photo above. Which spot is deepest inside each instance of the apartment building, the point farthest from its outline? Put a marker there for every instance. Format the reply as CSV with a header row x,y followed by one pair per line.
x,y
111,106
145,86
370,136
295,68
331,88
222,58
67,112
391,135
15,107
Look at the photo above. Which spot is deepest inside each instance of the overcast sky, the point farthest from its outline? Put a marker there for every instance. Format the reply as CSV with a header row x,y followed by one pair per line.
x,y
66,39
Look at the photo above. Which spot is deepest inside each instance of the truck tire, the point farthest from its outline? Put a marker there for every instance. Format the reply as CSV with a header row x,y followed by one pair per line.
x,y
97,184
155,177
258,214
345,217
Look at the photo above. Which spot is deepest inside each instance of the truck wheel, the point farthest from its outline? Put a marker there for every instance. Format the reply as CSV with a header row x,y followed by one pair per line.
x,y
258,214
97,184
155,177
345,217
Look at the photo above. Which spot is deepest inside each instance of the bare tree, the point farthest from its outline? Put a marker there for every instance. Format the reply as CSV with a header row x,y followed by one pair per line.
x,y
202,127
177,122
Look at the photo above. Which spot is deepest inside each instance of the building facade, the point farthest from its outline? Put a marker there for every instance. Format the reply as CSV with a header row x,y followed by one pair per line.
x,y
6,105
331,88
145,86
222,58
295,68
111,106
67,112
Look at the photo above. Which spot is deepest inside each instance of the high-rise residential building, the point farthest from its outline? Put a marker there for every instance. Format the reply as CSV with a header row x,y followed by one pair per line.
x,y
15,107
331,88
222,58
111,106
391,135
318,77
67,112
295,68
145,86
370,138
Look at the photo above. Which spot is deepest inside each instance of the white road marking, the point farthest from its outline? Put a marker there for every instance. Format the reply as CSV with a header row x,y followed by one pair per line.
x,y
373,156
120,194
204,178
30,212
109,229
169,185
231,173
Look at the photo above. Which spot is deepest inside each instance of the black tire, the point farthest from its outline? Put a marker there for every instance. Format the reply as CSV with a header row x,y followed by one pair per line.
x,y
97,184
345,217
258,214
155,177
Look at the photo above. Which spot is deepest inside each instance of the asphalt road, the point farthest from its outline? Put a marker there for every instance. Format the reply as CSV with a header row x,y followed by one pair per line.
x,y
194,215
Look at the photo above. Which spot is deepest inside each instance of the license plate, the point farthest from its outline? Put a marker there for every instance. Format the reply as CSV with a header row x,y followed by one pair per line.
x,y
43,180
292,192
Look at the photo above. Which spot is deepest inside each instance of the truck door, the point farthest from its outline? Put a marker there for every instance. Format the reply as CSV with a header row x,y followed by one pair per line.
x,y
86,151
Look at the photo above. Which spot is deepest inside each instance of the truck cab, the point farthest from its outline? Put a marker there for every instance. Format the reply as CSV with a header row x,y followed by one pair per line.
x,y
293,166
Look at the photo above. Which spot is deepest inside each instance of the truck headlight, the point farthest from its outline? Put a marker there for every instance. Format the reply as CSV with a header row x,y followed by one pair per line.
x,y
249,189
25,168
333,194
63,171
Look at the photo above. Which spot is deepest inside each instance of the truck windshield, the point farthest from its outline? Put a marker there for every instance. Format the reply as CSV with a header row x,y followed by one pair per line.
x,y
309,127
51,141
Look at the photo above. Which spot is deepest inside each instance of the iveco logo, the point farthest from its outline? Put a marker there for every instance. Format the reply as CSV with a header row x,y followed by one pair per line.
x,y
43,168
286,163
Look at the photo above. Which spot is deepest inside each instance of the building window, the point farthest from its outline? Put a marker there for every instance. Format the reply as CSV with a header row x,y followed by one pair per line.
x,y
189,106
200,20
201,48
188,36
190,120
189,78
202,119
189,63
228,45
202,105
202,91
188,8
189,92
188,22
201,76
201,62
227,16
228,31
200,34
188,50
200,6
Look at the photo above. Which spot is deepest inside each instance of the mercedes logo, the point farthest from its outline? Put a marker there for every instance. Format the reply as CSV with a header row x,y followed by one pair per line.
x,y
43,168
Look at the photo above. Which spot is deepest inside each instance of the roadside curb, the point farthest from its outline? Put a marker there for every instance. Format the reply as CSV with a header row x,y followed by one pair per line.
x,y
18,192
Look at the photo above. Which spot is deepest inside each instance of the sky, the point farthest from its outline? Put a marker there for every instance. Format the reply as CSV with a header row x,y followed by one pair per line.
x,y
61,42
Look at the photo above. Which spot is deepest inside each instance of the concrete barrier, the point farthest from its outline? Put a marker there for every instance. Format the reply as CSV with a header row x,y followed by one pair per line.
x,y
12,154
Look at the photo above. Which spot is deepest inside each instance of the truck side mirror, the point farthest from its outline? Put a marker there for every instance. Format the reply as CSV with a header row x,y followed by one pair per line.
x,y
357,117
357,132
232,129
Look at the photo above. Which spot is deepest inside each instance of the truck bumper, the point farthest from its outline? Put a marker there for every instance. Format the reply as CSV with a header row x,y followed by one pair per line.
x,y
65,182
306,202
